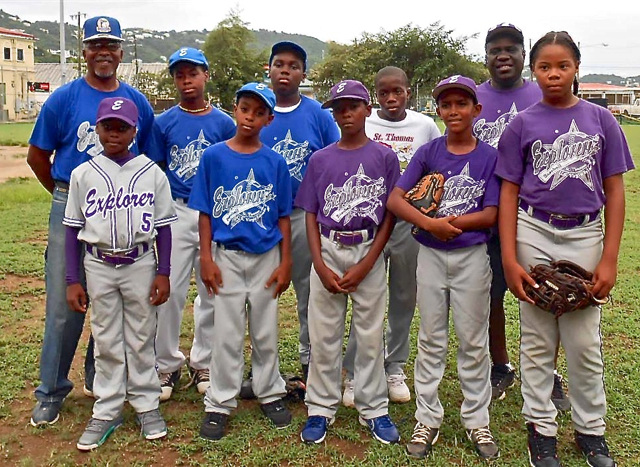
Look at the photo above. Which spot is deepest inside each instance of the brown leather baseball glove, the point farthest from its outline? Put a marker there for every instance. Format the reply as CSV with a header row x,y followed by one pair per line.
x,y
425,196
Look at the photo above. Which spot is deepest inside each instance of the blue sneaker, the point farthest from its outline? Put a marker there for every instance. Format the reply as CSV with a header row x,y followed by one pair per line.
x,y
315,430
382,428
46,413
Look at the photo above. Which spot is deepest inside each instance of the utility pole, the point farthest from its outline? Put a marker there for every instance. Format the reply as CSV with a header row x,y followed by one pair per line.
x,y
63,58
79,15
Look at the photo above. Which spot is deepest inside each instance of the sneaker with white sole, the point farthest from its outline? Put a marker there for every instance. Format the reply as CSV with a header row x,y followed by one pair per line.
x,y
398,389
382,428
168,382
46,413
315,430
152,425
97,432
348,396
200,379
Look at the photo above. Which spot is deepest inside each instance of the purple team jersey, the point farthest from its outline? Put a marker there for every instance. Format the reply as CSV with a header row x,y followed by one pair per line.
x,y
560,157
500,107
470,186
348,189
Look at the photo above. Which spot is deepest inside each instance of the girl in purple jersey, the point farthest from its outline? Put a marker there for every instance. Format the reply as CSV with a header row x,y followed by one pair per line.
x,y
561,161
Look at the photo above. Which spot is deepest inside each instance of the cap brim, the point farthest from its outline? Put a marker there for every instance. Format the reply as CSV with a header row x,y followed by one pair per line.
x,y
117,117
188,60
103,36
257,94
329,103
446,87
505,31
288,46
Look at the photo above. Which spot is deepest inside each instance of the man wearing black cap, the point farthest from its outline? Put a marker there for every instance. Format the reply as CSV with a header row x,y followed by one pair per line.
x,y
66,126
502,97
300,128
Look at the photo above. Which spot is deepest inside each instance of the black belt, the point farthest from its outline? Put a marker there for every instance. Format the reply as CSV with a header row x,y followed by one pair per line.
x,y
347,238
228,247
61,186
559,221
121,257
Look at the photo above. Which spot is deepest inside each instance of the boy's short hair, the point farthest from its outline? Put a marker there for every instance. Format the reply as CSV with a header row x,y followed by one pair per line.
x,y
189,55
287,46
456,82
119,108
261,91
505,30
391,71
348,89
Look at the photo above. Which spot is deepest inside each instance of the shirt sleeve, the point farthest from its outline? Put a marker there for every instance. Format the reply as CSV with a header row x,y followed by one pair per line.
x,y
415,170
146,123
73,215
46,133
157,148
616,157
492,191
511,159
200,198
164,211
307,198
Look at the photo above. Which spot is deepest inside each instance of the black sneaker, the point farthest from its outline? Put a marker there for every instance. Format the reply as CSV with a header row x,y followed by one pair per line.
x,y
542,449
277,413
502,378
213,424
246,388
167,383
559,395
595,450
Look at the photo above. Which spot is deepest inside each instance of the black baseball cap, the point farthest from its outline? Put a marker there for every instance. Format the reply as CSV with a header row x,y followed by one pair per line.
x,y
505,29
287,46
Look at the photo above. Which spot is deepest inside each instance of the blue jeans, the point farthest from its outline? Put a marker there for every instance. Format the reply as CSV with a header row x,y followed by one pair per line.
x,y
63,326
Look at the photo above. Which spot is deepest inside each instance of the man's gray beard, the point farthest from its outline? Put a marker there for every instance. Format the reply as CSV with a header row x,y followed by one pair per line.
x,y
107,74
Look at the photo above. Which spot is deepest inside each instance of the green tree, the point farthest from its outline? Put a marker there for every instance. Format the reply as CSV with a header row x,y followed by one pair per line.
x,y
427,55
232,61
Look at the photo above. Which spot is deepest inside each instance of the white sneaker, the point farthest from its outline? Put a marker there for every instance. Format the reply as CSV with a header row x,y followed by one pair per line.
x,y
398,389
348,396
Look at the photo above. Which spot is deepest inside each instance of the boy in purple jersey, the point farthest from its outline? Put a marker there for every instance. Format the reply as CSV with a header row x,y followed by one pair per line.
x,y
344,195
453,267
119,206
66,130
561,162
179,137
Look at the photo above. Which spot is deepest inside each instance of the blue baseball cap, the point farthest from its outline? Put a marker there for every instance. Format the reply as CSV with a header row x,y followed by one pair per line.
x,y
118,107
262,91
188,54
348,89
456,82
288,46
101,27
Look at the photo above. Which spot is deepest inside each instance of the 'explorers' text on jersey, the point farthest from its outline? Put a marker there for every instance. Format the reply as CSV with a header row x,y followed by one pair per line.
x,y
66,125
297,134
500,107
179,139
470,186
348,189
560,157
117,207
244,194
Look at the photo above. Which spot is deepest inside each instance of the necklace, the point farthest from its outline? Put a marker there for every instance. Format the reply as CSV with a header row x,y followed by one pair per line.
x,y
195,111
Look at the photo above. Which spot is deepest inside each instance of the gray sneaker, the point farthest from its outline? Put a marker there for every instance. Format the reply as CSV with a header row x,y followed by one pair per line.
x,y
97,432
484,443
152,424
46,413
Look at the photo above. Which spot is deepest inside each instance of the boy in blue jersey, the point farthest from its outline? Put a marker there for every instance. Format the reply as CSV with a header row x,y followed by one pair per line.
x,y
243,193
300,128
66,125
179,137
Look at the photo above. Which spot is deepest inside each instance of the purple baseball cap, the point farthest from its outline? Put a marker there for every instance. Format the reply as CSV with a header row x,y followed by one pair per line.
x,y
505,29
118,107
456,82
348,89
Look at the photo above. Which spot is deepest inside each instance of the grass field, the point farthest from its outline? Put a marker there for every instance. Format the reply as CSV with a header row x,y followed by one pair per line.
x,y
15,134
251,441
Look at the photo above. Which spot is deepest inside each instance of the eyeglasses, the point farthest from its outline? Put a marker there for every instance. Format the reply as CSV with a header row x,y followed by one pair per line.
x,y
112,46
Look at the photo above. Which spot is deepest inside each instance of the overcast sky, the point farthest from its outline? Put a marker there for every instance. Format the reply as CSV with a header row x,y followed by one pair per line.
x,y
592,23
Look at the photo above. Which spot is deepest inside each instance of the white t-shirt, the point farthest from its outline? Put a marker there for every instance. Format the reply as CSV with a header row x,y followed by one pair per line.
x,y
405,136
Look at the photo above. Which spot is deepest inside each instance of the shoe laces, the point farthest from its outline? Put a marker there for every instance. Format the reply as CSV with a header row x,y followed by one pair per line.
x,y
197,377
316,421
483,435
421,434
95,425
396,380
165,379
594,444
384,421
545,445
149,417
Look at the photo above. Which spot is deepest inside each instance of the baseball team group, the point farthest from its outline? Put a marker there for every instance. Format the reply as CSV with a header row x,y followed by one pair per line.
x,y
294,191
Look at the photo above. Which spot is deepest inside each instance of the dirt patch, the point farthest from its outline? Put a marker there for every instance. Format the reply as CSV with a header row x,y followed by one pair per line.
x,y
13,163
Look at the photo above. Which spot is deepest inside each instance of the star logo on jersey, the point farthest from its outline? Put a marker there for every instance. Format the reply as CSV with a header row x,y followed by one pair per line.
x,y
296,154
88,139
572,155
461,193
245,202
184,162
490,132
358,197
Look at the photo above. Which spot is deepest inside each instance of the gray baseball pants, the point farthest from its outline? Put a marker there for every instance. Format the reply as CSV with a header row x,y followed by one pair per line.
x,y
300,277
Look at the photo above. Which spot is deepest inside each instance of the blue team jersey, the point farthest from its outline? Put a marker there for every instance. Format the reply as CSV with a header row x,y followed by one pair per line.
x,y
244,194
179,139
297,134
67,125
